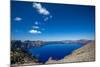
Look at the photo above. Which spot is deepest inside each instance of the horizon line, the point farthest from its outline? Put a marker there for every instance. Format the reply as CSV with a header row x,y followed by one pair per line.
x,y
52,40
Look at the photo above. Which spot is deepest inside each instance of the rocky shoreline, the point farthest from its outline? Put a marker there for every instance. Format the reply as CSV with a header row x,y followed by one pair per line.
x,y
83,54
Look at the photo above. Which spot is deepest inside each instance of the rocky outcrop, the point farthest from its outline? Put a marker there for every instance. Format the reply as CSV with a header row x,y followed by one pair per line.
x,y
83,54
19,57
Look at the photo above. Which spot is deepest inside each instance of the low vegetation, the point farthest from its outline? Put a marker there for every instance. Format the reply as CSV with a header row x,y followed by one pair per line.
x,y
21,56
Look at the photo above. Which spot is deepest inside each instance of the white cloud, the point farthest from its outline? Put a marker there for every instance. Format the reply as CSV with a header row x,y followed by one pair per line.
x,y
18,19
41,9
35,31
35,27
51,16
45,19
43,29
36,23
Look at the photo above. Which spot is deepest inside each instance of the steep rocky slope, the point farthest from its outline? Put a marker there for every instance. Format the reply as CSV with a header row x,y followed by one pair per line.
x,y
85,53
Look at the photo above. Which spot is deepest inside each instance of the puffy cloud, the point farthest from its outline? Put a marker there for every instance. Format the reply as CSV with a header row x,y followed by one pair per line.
x,y
51,16
35,31
36,23
35,27
41,9
45,19
43,29
18,19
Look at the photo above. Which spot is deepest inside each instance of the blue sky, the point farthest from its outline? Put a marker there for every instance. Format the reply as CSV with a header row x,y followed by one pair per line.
x,y
46,21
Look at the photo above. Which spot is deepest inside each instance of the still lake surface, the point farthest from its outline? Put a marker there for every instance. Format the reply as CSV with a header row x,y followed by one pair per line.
x,y
56,51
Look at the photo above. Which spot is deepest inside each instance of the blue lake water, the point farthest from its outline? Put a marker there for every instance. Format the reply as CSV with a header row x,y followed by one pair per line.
x,y
56,51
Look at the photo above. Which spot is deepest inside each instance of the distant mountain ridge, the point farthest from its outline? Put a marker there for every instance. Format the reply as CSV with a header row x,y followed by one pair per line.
x,y
19,54
38,43
28,44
